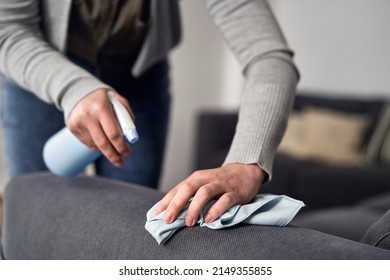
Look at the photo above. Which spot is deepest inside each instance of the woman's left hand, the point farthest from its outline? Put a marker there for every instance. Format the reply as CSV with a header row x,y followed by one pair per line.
x,y
231,184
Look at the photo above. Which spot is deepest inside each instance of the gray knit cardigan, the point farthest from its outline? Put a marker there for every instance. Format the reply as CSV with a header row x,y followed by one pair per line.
x,y
33,40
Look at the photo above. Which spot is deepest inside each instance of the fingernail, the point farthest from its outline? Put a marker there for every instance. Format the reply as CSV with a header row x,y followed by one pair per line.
x,y
168,218
189,221
208,218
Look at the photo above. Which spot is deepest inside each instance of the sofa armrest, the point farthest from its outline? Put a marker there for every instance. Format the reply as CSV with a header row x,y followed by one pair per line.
x,y
47,217
378,234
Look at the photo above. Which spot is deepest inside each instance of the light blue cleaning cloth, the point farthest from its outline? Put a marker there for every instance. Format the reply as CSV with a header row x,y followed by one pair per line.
x,y
266,210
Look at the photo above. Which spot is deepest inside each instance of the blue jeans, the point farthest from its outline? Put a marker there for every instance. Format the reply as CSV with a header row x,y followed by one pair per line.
x,y
28,122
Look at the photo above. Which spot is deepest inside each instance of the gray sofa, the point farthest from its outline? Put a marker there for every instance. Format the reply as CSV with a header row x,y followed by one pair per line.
x,y
47,217
342,200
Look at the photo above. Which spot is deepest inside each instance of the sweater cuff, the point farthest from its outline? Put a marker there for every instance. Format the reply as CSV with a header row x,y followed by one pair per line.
x,y
261,124
78,90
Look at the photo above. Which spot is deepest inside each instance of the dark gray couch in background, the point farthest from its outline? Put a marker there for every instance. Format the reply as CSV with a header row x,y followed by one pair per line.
x,y
340,200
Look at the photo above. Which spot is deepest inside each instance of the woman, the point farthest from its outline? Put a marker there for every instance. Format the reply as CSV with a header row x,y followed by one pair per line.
x,y
70,54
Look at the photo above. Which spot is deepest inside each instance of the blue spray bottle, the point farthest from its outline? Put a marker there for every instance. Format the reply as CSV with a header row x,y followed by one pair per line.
x,y
65,155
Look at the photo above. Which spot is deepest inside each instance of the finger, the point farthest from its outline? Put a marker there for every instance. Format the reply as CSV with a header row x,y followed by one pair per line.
x,y
226,201
202,196
104,145
87,139
163,204
80,132
114,133
185,191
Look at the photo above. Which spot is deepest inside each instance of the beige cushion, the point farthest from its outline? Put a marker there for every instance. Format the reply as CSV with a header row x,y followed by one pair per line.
x,y
378,149
385,151
325,135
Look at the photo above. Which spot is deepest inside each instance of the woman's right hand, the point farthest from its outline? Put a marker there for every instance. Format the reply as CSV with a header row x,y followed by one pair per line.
x,y
94,123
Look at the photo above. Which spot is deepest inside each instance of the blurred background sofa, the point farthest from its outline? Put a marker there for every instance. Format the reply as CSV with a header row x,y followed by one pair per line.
x,y
334,156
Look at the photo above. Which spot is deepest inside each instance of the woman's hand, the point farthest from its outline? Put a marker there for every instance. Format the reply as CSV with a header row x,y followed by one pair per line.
x,y
231,184
93,121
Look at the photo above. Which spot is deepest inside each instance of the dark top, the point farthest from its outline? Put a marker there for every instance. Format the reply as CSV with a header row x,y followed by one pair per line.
x,y
108,33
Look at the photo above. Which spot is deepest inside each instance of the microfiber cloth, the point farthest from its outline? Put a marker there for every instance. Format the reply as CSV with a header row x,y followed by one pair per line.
x,y
267,210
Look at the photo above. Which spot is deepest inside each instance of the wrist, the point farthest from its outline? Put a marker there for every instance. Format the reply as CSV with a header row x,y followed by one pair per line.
x,y
257,172
252,170
76,94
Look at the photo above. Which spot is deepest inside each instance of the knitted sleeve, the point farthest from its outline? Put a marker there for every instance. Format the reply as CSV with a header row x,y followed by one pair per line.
x,y
252,33
30,62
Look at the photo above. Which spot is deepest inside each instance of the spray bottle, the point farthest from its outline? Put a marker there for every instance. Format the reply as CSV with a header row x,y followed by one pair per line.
x,y
65,155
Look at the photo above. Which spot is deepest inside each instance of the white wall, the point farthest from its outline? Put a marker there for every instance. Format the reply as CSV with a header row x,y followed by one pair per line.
x,y
341,45
197,72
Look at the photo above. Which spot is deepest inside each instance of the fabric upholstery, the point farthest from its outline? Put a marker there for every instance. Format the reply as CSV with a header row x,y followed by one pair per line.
x,y
47,217
378,234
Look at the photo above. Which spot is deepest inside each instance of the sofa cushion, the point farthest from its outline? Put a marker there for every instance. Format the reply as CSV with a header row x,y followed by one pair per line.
x,y
370,107
378,234
325,135
378,148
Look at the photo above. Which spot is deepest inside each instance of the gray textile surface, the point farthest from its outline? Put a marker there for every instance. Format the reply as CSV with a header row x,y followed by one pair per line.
x,y
47,217
346,222
351,222
378,234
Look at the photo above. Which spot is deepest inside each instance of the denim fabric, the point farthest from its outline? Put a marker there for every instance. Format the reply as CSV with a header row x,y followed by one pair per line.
x,y
28,123
48,217
266,210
